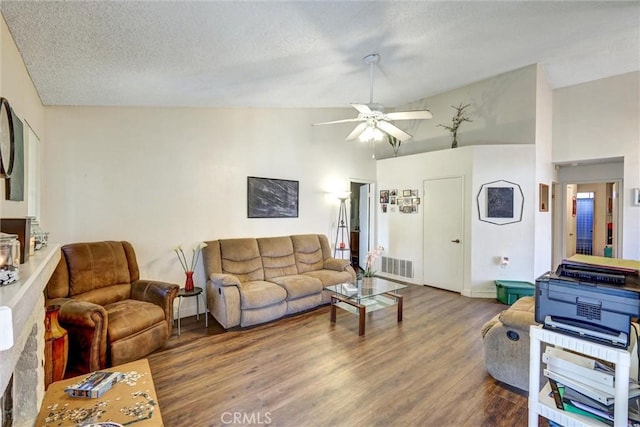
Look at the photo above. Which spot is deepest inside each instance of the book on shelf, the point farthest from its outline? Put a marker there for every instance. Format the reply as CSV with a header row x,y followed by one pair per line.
x,y
581,401
569,403
95,385
567,363
594,393
570,400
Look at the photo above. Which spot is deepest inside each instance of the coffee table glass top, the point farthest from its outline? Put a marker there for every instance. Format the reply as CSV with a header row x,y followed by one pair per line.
x,y
359,291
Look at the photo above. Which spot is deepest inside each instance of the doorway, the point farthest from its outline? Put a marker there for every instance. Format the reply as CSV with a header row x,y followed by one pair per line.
x,y
361,217
443,231
591,220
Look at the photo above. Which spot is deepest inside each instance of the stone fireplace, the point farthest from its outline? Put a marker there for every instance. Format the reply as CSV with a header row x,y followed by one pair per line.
x,y
24,360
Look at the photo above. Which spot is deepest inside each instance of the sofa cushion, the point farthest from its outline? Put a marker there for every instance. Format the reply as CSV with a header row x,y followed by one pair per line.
x,y
308,252
330,277
95,265
241,257
108,295
299,285
258,293
277,257
129,317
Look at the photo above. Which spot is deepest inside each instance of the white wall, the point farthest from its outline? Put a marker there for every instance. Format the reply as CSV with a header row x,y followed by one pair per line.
x,y
160,177
601,120
545,174
502,110
402,234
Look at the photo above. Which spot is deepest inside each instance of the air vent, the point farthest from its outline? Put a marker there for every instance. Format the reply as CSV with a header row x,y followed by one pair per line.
x,y
397,267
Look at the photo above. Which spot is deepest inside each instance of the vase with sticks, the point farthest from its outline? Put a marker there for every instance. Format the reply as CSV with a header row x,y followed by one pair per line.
x,y
191,266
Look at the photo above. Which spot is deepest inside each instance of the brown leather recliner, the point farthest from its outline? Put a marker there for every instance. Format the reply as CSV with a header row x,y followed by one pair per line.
x,y
112,317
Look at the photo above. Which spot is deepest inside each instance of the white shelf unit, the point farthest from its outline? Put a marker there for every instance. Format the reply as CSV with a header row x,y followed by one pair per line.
x,y
542,404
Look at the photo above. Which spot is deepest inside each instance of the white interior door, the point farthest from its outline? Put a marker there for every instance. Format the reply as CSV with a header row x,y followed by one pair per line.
x,y
365,206
443,230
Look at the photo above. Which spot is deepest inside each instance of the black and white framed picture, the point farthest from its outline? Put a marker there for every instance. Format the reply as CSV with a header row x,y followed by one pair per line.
x,y
272,198
500,202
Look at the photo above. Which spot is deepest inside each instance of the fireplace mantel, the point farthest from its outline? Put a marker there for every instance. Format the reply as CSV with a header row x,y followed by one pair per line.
x,y
25,300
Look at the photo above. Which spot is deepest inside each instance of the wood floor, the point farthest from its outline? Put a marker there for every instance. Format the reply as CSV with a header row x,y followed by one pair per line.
x,y
304,371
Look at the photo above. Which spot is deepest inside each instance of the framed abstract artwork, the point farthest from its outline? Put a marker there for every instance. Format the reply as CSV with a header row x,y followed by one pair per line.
x,y
272,198
500,202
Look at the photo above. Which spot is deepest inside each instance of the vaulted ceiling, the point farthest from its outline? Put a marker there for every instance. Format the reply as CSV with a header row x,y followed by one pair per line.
x,y
308,53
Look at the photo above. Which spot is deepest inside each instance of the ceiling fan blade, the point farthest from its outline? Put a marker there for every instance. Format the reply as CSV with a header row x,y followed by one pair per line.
x,y
410,115
357,131
393,130
362,108
337,121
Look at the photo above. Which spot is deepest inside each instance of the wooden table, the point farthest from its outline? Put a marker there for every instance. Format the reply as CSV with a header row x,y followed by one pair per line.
x,y
132,401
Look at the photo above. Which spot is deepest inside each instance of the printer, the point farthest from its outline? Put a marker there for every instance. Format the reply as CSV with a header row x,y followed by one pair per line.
x,y
591,301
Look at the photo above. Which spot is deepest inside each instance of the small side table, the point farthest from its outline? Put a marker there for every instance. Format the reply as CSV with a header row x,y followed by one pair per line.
x,y
196,292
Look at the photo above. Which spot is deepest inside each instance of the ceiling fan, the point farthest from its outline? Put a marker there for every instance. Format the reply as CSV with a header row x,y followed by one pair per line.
x,y
372,117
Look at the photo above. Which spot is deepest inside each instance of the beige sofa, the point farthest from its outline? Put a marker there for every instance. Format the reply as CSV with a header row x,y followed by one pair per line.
x,y
506,343
255,280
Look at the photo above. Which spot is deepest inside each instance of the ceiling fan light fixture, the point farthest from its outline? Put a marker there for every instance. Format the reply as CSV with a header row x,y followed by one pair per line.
x,y
373,123
371,133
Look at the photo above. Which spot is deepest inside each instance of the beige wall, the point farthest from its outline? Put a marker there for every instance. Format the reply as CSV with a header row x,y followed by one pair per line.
x,y
160,177
17,88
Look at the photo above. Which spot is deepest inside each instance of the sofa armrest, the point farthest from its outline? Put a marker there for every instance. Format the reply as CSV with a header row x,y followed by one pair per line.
x,y
221,279
336,264
161,294
517,319
86,325
223,299
489,324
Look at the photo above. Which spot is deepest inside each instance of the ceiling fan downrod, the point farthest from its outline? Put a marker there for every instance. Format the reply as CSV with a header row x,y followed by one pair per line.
x,y
371,60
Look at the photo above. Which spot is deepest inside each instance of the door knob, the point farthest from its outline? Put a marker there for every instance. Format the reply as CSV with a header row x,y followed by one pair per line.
x,y
455,241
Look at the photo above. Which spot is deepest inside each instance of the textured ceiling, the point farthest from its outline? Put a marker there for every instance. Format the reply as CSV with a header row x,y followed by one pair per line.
x,y
308,53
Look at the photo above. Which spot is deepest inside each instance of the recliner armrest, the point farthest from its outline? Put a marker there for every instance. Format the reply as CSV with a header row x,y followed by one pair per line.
x,y
158,293
86,324
221,279
161,294
336,264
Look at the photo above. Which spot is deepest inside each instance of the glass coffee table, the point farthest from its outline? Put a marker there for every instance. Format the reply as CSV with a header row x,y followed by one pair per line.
x,y
361,298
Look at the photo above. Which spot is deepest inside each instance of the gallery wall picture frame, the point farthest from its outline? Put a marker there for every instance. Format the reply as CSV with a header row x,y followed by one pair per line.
x,y
500,202
406,193
272,198
636,197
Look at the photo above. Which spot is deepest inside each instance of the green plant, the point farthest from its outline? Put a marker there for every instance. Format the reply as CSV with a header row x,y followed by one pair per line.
x,y
394,143
456,121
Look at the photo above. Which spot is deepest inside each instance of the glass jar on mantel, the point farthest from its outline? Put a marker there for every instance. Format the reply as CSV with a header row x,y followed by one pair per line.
x,y
9,258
